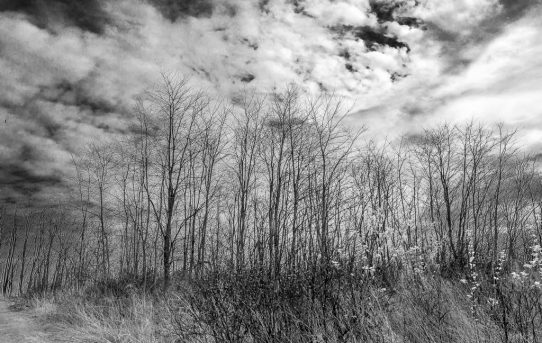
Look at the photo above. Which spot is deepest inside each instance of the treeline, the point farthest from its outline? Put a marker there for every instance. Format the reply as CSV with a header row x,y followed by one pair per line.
x,y
278,186
36,251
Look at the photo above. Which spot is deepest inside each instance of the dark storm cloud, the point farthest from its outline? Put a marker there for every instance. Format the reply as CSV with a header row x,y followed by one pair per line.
x,y
174,9
377,37
60,89
76,94
20,183
88,15
385,10
514,9
373,38
67,94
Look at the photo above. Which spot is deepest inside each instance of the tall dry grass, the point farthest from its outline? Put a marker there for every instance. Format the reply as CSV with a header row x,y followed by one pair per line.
x,y
420,308
136,319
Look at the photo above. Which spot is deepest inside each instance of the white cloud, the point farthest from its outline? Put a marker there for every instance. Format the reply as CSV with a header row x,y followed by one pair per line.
x,y
340,12
504,84
501,81
458,16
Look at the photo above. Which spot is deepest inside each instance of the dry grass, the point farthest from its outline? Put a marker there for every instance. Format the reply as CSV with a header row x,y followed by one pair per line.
x,y
44,306
424,310
437,310
133,320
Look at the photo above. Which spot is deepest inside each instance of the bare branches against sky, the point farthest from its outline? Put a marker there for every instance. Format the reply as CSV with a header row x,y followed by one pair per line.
x,y
70,70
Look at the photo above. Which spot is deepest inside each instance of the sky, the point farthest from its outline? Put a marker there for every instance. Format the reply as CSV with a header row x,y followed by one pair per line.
x,y
70,70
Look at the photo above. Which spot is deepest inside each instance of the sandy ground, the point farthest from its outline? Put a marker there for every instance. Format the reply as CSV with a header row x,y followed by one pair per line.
x,y
19,326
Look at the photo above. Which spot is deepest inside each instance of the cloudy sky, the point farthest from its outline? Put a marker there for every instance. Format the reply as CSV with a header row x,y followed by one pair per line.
x,y
70,69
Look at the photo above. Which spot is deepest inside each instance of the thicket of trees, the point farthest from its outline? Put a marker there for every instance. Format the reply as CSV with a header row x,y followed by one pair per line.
x,y
277,185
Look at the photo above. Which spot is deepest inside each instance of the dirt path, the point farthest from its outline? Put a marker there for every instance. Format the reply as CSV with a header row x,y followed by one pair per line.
x,y
18,326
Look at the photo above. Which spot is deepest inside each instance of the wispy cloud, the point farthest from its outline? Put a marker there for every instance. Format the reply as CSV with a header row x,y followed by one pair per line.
x,y
487,70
